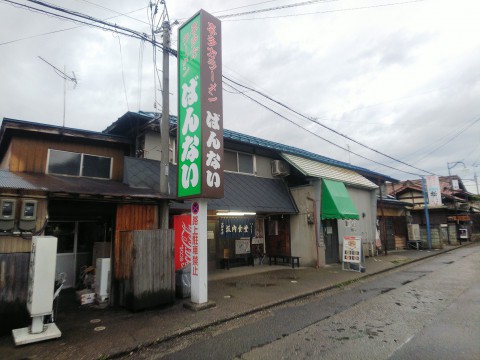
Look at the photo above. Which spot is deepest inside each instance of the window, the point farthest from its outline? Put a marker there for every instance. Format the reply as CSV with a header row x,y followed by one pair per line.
x,y
238,162
65,163
77,164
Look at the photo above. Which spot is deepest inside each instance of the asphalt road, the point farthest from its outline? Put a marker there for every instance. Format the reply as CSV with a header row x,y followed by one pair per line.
x,y
428,310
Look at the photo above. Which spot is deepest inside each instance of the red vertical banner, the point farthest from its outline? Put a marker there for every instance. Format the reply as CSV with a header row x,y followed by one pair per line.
x,y
181,225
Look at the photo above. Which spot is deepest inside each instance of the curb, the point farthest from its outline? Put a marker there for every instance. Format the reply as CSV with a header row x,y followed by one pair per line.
x,y
191,330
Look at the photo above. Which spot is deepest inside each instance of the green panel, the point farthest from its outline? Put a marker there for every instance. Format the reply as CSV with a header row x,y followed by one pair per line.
x,y
336,202
189,110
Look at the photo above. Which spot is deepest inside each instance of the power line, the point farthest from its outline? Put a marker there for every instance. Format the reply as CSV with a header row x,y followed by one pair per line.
x,y
123,72
109,27
280,7
322,125
244,6
315,134
328,11
468,126
61,30
116,12
135,34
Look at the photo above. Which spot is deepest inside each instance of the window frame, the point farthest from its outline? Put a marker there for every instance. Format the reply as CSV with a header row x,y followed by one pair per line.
x,y
254,164
81,164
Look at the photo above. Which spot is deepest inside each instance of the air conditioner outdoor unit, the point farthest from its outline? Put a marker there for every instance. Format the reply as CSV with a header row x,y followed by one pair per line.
x,y
280,168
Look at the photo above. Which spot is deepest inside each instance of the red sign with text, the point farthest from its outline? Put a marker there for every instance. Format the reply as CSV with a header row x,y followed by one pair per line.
x,y
181,225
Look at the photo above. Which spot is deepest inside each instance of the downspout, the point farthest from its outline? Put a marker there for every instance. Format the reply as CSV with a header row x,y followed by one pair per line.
x,y
316,229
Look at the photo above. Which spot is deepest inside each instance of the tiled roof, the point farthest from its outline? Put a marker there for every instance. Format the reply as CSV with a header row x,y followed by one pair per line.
x,y
242,192
251,193
73,185
267,144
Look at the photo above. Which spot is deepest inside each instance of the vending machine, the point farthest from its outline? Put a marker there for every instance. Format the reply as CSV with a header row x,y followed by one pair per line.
x,y
41,289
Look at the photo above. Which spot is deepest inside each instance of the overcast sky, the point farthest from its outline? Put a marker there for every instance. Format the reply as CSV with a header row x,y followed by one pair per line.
x,y
401,77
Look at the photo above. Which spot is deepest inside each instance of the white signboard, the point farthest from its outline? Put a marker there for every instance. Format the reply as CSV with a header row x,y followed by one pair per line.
x,y
352,249
455,185
433,190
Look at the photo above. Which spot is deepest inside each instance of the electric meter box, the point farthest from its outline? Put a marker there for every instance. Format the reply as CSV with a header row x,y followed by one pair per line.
x,y
41,279
7,214
28,215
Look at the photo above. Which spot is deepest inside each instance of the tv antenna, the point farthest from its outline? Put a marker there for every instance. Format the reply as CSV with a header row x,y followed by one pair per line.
x,y
65,77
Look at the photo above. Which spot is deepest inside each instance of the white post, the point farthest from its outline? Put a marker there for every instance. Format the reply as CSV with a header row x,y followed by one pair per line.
x,y
199,272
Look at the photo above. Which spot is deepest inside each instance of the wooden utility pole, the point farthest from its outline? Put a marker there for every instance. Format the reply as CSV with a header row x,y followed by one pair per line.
x,y
165,129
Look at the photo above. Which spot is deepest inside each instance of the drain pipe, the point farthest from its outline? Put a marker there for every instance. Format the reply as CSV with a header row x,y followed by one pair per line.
x,y
316,229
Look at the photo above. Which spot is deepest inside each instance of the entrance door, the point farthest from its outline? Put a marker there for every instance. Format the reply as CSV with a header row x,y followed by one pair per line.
x,y
330,230
277,231
65,232
75,246
390,234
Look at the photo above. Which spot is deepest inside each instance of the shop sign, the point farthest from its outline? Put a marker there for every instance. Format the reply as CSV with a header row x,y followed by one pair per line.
x,y
236,228
181,226
352,249
459,218
433,190
194,237
200,109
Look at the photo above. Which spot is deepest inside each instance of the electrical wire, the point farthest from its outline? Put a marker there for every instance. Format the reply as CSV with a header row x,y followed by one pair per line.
x,y
123,72
114,11
244,6
315,134
322,125
106,26
280,7
62,30
327,11
135,34
458,133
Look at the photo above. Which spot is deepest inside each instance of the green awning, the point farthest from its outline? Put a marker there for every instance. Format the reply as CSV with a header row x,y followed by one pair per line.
x,y
336,202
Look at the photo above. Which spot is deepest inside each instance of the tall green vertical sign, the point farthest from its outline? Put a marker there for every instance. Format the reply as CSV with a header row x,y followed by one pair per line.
x,y
200,109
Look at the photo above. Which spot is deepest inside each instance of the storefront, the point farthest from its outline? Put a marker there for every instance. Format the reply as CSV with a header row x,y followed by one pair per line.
x,y
336,205
252,219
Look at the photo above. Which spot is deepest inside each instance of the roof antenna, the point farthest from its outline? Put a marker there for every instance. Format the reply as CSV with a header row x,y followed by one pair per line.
x,y
65,77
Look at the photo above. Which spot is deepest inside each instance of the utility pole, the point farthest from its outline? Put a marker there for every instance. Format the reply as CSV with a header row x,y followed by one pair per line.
x,y
65,77
165,128
475,175
457,222
427,218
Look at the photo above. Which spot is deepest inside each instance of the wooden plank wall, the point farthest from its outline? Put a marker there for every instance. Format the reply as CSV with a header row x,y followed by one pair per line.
x,y
146,276
132,217
30,154
13,291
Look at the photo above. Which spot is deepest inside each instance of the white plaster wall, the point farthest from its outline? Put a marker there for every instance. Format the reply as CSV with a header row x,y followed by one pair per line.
x,y
302,234
152,146
366,204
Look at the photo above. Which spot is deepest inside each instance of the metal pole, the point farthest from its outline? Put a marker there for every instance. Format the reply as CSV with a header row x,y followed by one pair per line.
x,y
427,218
164,128
383,228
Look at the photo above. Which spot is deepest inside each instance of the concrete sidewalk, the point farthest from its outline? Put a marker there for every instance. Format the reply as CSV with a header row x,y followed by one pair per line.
x,y
90,332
